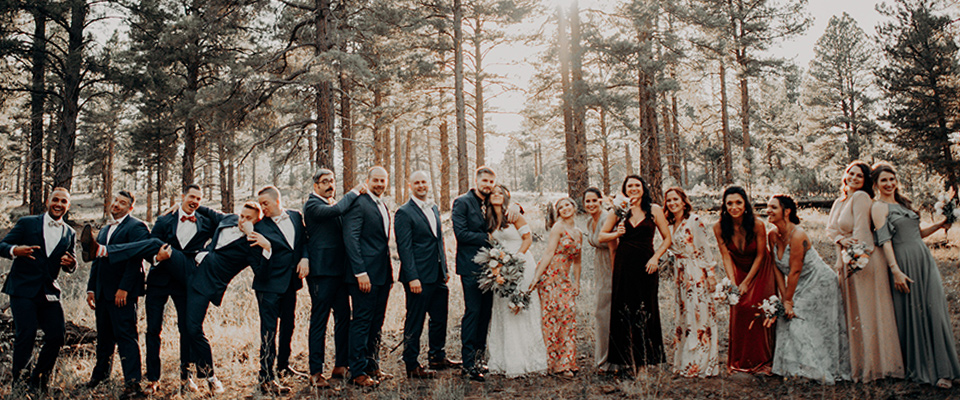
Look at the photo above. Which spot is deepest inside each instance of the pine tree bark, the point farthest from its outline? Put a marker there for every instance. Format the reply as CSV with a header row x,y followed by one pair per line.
x,y
325,100
397,166
566,104
444,166
605,150
107,175
67,138
725,127
346,134
578,170
478,92
190,126
37,99
463,174
650,168
406,166
381,140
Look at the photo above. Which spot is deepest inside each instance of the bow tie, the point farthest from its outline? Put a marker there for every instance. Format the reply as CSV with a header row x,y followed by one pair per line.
x,y
427,205
55,223
113,221
191,218
281,217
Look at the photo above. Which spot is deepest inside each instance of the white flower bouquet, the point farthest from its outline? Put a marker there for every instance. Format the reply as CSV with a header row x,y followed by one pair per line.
x,y
501,273
947,206
772,307
621,205
726,290
855,258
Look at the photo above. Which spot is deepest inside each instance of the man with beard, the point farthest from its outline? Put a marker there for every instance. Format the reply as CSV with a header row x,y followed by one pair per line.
x,y
40,246
328,291
116,281
366,231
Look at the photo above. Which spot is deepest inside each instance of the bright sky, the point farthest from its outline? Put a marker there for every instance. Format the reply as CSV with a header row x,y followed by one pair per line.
x,y
510,61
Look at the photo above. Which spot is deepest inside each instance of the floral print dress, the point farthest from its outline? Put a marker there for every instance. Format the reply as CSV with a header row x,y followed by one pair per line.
x,y
695,340
559,306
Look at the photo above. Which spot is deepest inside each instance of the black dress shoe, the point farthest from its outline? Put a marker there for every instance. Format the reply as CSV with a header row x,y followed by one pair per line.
x,y
88,244
475,375
444,364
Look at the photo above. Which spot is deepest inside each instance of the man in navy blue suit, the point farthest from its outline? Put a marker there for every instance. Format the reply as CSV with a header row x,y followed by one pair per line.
x,y
470,228
116,281
40,246
366,231
276,281
232,248
423,271
328,291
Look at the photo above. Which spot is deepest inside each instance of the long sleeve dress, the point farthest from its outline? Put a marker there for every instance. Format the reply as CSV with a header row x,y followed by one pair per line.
x,y
871,322
695,340
923,319
603,274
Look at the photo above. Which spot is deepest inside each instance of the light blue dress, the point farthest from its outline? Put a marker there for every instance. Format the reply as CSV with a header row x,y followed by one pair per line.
x,y
923,319
814,344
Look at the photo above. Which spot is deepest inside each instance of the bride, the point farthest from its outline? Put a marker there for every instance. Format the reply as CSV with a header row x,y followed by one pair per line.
x,y
515,340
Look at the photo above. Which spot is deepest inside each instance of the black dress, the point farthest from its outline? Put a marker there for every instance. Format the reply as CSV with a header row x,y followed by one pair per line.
x,y
635,336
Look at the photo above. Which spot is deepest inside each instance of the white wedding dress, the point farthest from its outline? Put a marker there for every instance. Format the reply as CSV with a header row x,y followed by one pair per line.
x,y
515,341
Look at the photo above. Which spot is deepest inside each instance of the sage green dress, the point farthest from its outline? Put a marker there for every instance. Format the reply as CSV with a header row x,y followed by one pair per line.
x,y
923,319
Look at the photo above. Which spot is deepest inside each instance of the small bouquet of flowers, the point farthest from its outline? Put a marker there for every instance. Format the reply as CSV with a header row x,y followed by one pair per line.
x,y
519,301
726,290
855,258
772,307
621,205
501,273
947,206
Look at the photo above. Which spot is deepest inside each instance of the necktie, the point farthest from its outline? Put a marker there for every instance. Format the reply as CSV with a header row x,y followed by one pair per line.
x,y
190,218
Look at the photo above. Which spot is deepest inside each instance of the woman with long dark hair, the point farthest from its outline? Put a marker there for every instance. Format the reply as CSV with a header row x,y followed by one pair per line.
x,y
603,274
696,352
871,322
811,336
923,319
742,239
635,336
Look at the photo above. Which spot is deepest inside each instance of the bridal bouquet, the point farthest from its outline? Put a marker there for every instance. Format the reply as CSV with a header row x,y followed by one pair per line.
x,y
726,290
772,307
855,258
947,206
501,273
621,205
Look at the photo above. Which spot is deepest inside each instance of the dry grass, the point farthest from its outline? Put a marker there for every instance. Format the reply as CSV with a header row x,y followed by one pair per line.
x,y
233,331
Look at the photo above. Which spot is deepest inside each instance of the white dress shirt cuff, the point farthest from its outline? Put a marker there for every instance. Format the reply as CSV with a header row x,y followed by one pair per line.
x,y
360,274
267,253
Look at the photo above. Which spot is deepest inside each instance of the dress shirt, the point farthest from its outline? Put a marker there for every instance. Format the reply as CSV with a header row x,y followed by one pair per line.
x,y
227,235
384,214
286,226
186,230
112,226
427,209
52,232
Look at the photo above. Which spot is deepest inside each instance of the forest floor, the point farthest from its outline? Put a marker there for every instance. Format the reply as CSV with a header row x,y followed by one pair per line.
x,y
233,334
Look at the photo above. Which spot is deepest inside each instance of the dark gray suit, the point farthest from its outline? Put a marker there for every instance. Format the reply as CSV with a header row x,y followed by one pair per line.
x,y
367,252
328,291
422,257
471,231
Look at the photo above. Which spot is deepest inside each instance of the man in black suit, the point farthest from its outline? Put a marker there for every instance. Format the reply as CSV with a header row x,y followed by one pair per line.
x,y
366,231
229,252
470,228
423,271
276,281
328,291
116,281
40,246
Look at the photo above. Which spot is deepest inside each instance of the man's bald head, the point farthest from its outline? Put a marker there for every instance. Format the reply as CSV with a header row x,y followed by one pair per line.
x,y
377,180
419,185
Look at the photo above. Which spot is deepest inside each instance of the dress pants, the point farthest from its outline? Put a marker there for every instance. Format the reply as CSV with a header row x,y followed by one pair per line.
x,y
431,300
328,293
197,304
368,312
155,303
288,315
476,319
29,314
117,328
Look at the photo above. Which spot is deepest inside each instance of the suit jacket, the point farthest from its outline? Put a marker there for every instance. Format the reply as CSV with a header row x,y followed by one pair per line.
x,y
366,243
221,265
166,230
421,250
278,273
471,231
107,277
325,234
28,278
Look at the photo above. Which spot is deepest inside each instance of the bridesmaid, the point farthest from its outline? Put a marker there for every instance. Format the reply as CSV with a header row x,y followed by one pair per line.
x,y
811,338
923,319
696,346
742,239
557,289
636,339
871,323
603,273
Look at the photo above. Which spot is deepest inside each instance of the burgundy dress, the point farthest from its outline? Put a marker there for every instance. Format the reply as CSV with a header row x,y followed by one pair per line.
x,y
751,345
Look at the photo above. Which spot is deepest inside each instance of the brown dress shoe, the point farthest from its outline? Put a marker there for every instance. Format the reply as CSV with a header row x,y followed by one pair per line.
x,y
273,387
318,381
88,244
364,381
444,364
379,375
339,373
420,373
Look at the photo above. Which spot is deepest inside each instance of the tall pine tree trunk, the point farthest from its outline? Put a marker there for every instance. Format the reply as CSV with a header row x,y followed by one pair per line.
x,y
63,172
478,91
190,128
566,104
725,126
650,168
37,99
107,174
605,150
406,165
578,170
397,166
325,111
444,165
346,134
463,174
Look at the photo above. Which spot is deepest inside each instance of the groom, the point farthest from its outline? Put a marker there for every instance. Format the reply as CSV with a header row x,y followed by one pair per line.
x,y
470,228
